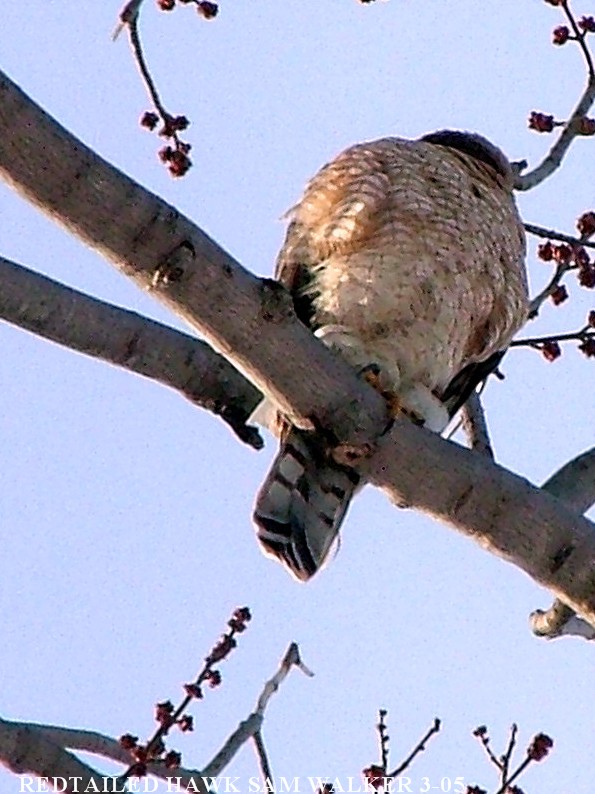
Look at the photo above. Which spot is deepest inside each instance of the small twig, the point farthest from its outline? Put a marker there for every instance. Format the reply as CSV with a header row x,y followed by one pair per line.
x,y
580,38
265,767
252,725
168,716
508,754
538,301
550,234
420,747
383,739
516,774
176,158
586,332
481,734
137,48
128,15
475,426
291,658
570,130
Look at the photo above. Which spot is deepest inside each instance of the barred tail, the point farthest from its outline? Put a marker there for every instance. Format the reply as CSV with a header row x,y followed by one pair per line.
x,y
301,504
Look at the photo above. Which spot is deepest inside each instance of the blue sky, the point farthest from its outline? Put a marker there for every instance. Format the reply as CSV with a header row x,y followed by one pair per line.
x,y
126,511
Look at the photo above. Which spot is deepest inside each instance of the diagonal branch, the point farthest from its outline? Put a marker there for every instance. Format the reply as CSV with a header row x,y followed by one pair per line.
x,y
43,750
251,321
574,484
475,426
571,129
126,339
24,749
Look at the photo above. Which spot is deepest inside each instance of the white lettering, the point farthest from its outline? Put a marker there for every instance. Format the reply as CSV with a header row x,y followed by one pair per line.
x,y
292,785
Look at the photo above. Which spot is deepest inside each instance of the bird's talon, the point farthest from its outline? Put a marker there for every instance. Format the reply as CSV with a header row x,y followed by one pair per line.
x,y
350,454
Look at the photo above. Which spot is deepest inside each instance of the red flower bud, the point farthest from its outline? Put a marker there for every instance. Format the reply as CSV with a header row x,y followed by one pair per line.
x,y
540,747
587,24
551,351
588,347
561,35
541,122
559,295
545,251
586,224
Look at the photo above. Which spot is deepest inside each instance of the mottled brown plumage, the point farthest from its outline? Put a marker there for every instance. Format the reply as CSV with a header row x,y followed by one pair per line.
x,y
408,255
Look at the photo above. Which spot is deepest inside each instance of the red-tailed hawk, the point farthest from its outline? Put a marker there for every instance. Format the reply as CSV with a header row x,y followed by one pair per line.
x,y
407,258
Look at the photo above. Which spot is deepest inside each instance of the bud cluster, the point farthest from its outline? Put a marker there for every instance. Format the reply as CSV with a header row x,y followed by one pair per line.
x,y
204,8
539,747
167,716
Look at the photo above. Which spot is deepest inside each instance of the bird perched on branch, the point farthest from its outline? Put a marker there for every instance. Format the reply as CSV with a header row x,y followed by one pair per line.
x,y
407,258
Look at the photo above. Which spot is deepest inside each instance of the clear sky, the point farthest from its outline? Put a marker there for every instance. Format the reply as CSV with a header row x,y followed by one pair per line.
x,y
125,511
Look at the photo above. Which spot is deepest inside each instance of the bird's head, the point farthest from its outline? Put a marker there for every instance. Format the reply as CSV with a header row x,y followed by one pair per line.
x,y
475,146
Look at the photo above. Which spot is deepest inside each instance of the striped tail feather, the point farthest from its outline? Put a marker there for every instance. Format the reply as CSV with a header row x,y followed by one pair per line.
x,y
302,503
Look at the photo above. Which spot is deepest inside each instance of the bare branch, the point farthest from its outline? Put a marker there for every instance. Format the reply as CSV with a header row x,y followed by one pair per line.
x,y
252,725
419,748
571,128
550,234
26,750
574,484
40,749
383,739
582,335
475,426
481,734
248,319
507,757
291,659
92,742
128,340
538,301
252,322
263,760
245,731
128,15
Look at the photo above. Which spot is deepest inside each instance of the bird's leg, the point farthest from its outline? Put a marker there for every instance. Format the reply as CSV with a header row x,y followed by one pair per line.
x,y
416,402
419,401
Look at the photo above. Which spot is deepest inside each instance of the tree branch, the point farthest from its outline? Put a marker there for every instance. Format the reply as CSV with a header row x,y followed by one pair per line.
x,y
574,484
128,340
551,234
571,129
252,725
24,749
475,426
251,321
42,749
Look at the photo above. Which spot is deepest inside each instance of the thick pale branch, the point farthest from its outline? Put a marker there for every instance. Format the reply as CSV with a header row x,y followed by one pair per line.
x,y
574,484
252,725
26,750
127,339
249,320
502,512
252,322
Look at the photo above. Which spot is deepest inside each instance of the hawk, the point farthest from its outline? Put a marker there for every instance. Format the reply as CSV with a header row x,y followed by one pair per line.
x,y
407,258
